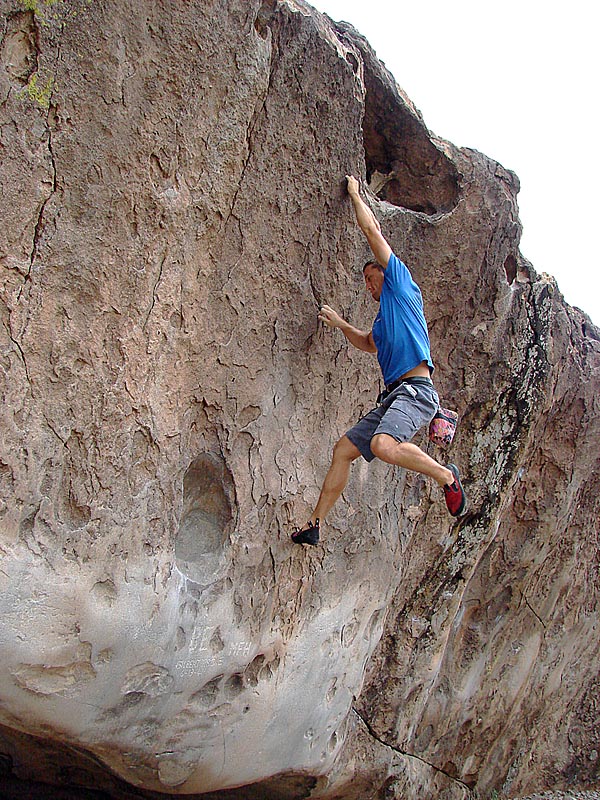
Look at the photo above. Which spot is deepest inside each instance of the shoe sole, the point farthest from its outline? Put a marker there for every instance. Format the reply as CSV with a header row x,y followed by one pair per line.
x,y
304,541
305,537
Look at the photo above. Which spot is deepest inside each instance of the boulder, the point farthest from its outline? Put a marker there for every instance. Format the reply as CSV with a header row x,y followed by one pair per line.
x,y
174,214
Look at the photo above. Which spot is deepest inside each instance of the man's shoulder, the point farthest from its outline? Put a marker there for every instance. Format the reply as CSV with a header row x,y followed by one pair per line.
x,y
396,269
394,259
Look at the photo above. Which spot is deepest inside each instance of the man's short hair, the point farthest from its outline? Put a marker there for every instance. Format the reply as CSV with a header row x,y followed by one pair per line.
x,y
373,263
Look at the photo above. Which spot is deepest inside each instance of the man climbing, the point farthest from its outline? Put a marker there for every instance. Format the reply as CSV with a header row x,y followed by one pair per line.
x,y
401,341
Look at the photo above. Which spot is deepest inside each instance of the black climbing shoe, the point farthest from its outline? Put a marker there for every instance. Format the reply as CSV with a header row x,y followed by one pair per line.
x,y
309,535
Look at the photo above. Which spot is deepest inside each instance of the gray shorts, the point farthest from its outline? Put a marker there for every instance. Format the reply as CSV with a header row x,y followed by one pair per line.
x,y
407,409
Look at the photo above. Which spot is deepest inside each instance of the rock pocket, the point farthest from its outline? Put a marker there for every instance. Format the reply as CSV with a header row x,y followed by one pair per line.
x,y
206,519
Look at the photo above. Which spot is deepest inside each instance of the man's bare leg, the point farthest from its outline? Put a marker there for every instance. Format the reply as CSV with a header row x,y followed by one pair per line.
x,y
409,456
344,453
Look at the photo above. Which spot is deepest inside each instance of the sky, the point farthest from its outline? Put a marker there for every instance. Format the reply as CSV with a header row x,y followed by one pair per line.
x,y
518,81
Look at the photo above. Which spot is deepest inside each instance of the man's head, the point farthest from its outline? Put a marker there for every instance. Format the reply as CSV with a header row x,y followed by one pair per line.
x,y
374,277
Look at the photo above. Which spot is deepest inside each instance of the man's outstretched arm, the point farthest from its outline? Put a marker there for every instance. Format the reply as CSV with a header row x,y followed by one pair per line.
x,y
363,340
368,223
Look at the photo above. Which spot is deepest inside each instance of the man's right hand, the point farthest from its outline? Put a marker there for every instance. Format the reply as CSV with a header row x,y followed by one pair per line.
x,y
330,317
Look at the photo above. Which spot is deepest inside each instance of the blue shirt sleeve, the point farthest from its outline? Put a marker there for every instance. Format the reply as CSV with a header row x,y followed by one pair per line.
x,y
398,277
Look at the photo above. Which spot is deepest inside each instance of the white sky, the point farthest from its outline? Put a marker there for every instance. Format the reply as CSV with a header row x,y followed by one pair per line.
x,y
518,81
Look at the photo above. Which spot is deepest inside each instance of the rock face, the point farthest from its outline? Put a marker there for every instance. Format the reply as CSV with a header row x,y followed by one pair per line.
x,y
174,212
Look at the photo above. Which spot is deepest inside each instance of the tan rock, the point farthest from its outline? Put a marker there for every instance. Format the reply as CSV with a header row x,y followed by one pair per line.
x,y
174,213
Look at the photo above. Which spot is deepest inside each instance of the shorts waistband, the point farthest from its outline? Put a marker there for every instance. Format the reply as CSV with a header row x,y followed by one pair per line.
x,y
416,380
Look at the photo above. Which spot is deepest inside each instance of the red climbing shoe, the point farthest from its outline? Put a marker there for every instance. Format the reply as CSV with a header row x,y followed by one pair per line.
x,y
309,535
454,493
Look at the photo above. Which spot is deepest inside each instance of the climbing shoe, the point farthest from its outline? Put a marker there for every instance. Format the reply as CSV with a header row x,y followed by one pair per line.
x,y
309,535
454,493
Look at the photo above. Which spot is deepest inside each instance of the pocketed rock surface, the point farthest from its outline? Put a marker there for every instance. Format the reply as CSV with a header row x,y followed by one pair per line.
x,y
173,214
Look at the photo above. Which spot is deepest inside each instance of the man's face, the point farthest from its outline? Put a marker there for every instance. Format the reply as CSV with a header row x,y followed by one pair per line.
x,y
374,278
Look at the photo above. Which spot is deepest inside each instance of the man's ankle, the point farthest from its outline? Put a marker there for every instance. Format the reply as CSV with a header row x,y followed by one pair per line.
x,y
447,479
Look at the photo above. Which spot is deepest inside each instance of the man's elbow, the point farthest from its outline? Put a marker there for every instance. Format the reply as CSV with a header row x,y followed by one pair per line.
x,y
369,345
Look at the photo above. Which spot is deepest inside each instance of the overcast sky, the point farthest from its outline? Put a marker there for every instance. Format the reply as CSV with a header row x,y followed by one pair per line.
x,y
517,80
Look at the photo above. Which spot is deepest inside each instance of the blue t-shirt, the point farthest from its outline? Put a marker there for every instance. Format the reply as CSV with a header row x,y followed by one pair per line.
x,y
400,330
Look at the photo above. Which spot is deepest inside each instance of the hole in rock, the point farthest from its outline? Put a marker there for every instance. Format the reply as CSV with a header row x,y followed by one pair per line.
x,y
234,686
206,518
207,695
404,165
353,61
264,17
510,267
19,50
253,670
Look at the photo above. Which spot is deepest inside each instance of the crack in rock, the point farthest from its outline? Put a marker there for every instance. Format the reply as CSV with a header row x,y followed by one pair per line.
x,y
401,752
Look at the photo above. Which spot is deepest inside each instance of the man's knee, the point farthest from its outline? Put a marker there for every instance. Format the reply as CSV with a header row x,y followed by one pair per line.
x,y
383,445
344,450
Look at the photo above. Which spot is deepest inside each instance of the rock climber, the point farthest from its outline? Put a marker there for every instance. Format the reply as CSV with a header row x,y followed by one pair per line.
x,y
400,340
